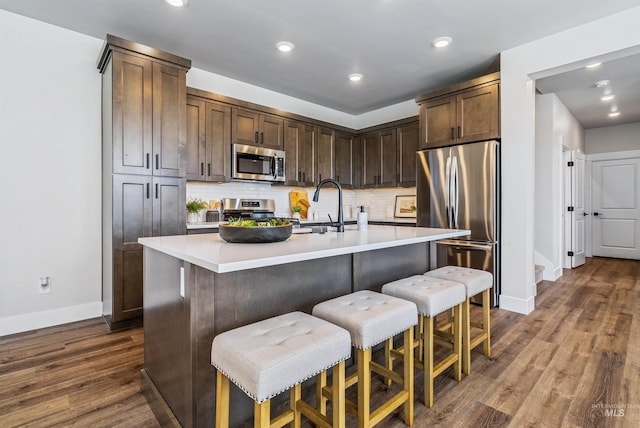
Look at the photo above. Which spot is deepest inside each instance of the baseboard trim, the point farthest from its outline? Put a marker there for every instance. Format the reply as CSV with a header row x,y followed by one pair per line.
x,y
50,318
159,407
515,304
557,273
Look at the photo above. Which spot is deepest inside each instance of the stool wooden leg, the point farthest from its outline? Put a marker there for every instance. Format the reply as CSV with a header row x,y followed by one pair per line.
x,y
222,401
388,359
262,414
457,341
321,400
486,323
408,375
338,385
428,361
420,338
466,337
295,394
364,388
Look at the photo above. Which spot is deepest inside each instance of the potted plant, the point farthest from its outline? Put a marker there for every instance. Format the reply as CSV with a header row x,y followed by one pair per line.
x,y
296,211
194,206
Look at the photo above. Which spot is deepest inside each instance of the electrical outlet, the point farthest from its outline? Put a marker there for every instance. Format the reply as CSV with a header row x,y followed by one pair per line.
x,y
45,285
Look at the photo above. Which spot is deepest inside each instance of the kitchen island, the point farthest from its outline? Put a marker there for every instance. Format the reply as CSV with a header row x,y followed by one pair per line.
x,y
198,286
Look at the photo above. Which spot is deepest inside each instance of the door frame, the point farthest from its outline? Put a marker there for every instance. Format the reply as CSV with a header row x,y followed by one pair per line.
x,y
569,154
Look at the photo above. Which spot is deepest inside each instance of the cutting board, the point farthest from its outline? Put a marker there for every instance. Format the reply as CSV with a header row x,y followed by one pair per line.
x,y
301,198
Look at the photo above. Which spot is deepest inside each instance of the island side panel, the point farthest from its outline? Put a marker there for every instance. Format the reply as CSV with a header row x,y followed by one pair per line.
x,y
373,269
252,295
167,340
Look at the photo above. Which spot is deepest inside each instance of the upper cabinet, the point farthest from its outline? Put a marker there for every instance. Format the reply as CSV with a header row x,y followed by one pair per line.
x,y
325,153
144,110
463,113
344,162
208,140
299,139
407,137
257,129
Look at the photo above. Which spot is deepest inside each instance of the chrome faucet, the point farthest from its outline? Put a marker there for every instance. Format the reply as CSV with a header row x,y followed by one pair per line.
x,y
317,194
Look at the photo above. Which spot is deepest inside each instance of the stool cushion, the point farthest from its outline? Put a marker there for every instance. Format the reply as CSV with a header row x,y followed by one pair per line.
x,y
432,295
271,356
370,317
475,280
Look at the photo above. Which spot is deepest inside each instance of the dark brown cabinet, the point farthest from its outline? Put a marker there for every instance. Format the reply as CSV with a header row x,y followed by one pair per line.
x,y
344,162
144,119
208,140
142,206
379,158
463,113
299,139
325,154
257,129
407,137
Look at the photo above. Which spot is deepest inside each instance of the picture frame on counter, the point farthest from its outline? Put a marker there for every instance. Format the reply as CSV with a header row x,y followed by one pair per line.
x,y
405,206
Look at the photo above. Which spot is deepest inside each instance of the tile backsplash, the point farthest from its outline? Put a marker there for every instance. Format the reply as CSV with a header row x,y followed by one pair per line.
x,y
379,203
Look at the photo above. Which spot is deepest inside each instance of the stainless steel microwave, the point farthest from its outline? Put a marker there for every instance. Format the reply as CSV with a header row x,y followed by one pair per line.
x,y
257,163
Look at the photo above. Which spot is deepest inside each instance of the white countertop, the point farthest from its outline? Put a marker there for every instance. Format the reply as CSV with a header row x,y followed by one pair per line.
x,y
214,225
213,253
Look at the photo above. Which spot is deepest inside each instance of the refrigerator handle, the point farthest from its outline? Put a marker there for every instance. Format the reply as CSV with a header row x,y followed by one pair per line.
x,y
456,192
447,191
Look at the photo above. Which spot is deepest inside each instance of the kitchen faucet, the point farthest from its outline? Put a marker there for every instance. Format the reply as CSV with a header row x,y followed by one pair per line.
x,y
317,194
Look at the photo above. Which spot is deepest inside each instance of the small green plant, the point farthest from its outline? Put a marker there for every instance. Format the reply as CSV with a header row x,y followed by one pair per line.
x,y
195,205
296,208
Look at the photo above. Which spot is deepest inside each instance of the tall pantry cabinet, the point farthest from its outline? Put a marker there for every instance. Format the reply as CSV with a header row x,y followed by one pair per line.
x,y
143,165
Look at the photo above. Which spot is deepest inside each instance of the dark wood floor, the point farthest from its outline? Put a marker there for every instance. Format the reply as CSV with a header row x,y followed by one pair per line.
x,y
577,353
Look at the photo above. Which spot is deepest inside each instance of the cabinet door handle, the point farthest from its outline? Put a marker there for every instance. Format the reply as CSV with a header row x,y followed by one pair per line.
x,y
338,178
147,160
262,138
319,177
257,137
156,190
209,169
452,135
147,190
201,168
459,131
304,177
397,178
299,176
157,161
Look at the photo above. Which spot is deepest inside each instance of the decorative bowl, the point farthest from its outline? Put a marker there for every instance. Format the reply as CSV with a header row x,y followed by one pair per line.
x,y
255,234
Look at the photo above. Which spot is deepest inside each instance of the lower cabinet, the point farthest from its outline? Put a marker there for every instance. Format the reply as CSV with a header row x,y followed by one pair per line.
x,y
140,206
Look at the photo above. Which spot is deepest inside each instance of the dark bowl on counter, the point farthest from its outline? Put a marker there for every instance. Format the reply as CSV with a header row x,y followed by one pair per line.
x,y
255,234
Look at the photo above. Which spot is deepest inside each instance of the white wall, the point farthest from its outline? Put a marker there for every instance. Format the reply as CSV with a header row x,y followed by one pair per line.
x,y
50,166
613,35
555,127
613,138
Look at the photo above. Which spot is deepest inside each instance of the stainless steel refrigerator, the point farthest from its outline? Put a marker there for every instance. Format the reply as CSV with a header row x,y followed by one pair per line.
x,y
459,187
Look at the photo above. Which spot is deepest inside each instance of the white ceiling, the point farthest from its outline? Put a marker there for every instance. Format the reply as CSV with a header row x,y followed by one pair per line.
x,y
389,41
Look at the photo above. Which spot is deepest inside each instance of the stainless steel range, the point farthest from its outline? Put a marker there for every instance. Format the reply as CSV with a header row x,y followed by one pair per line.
x,y
248,208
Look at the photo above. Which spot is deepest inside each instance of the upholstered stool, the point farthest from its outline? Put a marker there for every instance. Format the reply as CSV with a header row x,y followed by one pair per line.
x,y
278,354
432,296
475,281
372,318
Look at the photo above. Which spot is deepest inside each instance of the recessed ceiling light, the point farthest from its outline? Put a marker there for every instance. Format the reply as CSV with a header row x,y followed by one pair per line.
x,y
177,3
607,97
601,83
614,114
593,65
355,77
284,46
442,42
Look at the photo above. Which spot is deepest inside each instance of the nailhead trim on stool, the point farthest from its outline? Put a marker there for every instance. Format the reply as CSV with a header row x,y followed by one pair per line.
x,y
432,296
269,357
372,318
475,281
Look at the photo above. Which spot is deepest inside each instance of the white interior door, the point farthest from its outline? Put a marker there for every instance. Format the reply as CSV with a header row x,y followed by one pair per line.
x,y
575,233
616,225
